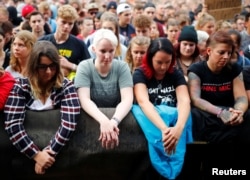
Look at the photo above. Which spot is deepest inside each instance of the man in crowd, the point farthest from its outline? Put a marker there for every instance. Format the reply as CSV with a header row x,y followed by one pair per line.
x,y
71,49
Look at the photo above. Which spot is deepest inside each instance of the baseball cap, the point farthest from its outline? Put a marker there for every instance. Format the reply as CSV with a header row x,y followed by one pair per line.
x,y
111,5
92,6
123,7
27,9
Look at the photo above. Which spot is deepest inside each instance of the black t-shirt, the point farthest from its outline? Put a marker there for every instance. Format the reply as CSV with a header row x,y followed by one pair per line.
x,y
246,77
128,31
72,49
216,88
161,92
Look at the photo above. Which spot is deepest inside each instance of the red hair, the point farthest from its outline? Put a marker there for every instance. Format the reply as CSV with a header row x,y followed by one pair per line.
x,y
160,44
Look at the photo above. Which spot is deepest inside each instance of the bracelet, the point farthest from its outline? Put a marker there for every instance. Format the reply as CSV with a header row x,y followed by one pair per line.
x,y
219,113
116,120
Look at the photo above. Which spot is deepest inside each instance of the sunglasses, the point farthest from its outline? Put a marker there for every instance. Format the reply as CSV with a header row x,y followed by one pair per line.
x,y
93,13
44,67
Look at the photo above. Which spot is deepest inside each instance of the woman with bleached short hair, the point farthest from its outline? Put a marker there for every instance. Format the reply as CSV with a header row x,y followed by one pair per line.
x,y
105,82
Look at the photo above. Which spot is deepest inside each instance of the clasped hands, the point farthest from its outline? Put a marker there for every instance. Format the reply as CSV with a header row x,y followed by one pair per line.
x,y
170,137
109,134
44,159
231,116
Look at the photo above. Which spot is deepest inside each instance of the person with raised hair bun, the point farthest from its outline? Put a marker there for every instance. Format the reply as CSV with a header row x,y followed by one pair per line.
x,y
206,22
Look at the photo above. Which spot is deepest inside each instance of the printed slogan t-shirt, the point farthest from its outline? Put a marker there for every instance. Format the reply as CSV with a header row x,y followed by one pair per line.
x,y
163,91
216,88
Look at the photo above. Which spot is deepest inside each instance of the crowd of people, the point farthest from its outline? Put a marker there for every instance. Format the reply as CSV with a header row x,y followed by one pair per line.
x,y
181,72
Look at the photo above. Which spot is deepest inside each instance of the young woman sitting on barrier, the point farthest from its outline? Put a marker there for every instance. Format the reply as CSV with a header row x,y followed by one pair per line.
x,y
105,82
44,88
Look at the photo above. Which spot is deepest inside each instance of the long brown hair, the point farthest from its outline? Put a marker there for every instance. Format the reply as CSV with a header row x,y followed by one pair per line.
x,y
47,49
29,40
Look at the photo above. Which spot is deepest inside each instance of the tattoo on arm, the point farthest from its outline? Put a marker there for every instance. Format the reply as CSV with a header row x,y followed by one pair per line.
x,y
240,103
195,93
194,88
194,85
193,76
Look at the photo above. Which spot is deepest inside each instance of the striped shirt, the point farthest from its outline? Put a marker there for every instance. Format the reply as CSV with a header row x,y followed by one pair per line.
x,y
21,99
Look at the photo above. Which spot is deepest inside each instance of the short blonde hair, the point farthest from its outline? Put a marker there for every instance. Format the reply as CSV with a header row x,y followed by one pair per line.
x,y
105,34
67,12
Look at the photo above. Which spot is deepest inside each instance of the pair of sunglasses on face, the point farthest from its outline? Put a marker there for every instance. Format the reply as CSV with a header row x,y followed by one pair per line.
x,y
44,67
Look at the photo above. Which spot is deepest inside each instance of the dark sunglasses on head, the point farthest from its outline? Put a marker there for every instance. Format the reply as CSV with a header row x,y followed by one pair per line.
x,y
44,67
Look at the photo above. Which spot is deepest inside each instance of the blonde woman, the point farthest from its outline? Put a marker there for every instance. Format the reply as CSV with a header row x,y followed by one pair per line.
x,y
206,22
20,52
137,48
105,82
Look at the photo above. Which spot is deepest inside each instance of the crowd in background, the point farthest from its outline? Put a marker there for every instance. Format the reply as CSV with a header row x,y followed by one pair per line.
x,y
124,54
